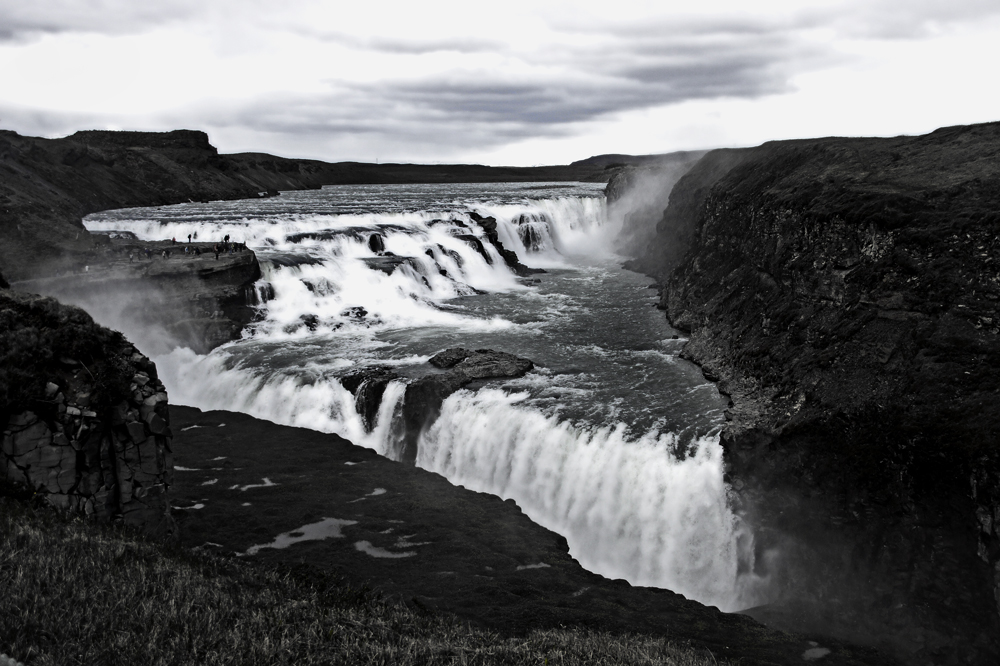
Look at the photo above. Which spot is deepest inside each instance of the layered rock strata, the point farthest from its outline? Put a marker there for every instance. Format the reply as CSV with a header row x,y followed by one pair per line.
x,y
845,293
84,416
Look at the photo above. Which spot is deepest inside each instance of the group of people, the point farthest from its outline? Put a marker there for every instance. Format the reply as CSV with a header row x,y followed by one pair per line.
x,y
228,248
225,247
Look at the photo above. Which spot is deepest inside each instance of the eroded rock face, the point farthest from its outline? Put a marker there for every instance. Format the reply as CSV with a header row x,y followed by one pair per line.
x,y
368,387
85,419
845,292
164,294
424,395
423,398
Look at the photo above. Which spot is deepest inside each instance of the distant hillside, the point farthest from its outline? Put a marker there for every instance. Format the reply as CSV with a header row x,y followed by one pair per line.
x,y
619,160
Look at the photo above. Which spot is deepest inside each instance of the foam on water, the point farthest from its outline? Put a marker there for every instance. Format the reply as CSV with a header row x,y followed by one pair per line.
x,y
320,265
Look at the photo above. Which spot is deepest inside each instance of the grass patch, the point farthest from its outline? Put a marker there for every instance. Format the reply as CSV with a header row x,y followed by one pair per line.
x,y
76,592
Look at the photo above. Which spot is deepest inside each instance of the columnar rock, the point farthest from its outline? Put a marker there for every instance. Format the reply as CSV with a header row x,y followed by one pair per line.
x,y
85,419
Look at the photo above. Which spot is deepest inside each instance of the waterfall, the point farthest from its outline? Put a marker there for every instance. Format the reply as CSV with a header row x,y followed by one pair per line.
x,y
349,284
629,508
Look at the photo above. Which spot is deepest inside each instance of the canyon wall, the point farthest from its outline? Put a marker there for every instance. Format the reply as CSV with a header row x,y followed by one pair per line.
x,y
844,293
84,417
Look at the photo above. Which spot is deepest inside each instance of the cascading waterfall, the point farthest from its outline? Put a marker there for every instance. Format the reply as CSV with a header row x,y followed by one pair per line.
x,y
629,508
605,444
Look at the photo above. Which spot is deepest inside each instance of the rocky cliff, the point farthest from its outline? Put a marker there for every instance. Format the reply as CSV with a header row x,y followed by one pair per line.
x,y
845,293
84,417
163,294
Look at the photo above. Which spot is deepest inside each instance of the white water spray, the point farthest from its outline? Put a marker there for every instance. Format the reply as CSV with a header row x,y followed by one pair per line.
x,y
629,508
322,404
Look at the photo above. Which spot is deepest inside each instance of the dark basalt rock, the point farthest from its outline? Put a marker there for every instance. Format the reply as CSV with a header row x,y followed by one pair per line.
x,y
530,237
477,245
188,299
423,398
83,417
291,260
489,225
311,321
259,294
845,292
368,386
390,262
455,256
357,312
376,243
456,223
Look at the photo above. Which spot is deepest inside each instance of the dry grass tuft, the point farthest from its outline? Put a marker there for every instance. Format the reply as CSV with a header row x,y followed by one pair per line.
x,y
79,593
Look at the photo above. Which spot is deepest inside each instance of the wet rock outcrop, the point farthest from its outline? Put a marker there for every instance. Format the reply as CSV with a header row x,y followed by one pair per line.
x,y
423,398
84,417
368,387
453,369
845,293
489,225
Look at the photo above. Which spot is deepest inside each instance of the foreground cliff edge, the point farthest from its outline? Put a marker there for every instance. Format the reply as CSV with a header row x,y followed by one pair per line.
x,y
844,293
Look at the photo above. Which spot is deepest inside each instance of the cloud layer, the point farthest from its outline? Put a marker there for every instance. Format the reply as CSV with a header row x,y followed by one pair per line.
x,y
434,81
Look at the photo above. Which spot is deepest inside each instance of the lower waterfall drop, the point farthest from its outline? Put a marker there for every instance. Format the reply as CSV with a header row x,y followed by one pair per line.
x,y
629,508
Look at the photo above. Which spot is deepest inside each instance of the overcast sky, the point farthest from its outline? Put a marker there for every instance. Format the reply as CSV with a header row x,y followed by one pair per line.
x,y
497,83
